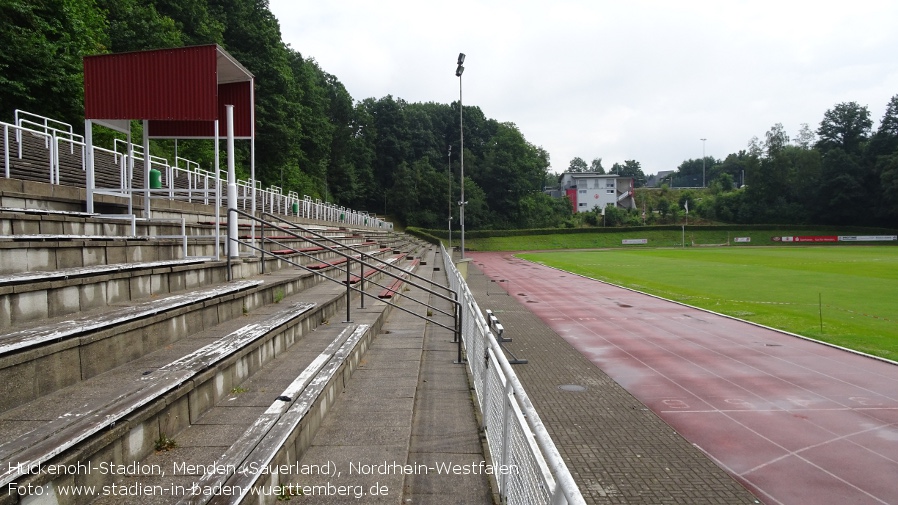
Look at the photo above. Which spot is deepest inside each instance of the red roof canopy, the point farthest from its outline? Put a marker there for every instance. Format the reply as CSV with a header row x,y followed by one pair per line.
x,y
181,92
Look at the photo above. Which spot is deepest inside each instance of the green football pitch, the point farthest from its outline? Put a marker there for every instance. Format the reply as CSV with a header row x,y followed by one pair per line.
x,y
844,295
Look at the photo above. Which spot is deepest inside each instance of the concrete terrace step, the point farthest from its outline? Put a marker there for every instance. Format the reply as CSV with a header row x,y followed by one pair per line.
x,y
248,424
49,212
27,297
23,222
314,248
22,254
73,273
260,443
39,359
368,272
42,237
394,287
408,403
161,393
45,255
22,339
67,430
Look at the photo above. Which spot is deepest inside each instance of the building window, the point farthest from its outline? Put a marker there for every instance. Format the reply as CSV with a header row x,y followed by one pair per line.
x,y
609,191
609,184
582,191
582,205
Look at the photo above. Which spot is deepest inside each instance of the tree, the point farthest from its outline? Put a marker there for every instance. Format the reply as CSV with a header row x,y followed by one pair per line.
x,y
689,173
803,177
845,173
806,137
615,216
885,141
883,153
630,168
193,20
777,140
361,154
664,206
754,147
774,169
390,139
846,126
888,169
311,136
343,175
889,124
724,183
512,169
252,35
577,165
136,25
734,165
41,68
687,196
843,199
542,211
596,166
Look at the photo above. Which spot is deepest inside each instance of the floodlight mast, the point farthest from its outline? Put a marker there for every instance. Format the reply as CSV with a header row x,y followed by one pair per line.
x,y
450,198
704,185
461,203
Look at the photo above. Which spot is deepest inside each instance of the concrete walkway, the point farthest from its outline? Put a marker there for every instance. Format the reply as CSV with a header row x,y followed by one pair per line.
x,y
618,451
404,430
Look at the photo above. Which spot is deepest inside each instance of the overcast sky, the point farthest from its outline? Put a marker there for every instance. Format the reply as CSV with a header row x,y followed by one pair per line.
x,y
642,80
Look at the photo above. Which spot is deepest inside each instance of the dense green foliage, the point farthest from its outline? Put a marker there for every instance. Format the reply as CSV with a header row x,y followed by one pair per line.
x,y
849,175
842,295
388,156
381,155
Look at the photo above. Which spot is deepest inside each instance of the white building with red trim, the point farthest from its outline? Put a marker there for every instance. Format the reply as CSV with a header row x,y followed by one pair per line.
x,y
587,190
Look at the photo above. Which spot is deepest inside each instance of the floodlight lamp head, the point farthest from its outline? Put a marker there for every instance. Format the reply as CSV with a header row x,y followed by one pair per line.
x,y
461,58
459,71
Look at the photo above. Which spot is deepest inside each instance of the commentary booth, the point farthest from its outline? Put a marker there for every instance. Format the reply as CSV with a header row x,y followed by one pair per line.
x,y
198,92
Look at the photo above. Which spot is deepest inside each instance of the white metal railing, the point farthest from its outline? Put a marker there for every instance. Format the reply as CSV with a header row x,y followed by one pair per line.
x,y
46,125
18,131
529,468
200,183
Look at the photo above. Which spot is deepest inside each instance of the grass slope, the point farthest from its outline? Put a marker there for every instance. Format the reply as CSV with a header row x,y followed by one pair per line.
x,y
780,287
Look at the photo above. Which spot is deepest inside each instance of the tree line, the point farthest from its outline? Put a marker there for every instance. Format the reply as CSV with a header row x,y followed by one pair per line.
x,y
388,156
629,168
382,155
842,173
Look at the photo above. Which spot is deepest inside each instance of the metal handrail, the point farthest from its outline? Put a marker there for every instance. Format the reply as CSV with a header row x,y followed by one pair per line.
x,y
18,131
321,236
233,241
55,131
561,486
45,124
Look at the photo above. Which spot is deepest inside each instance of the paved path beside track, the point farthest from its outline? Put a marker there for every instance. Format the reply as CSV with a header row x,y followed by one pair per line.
x,y
793,420
618,451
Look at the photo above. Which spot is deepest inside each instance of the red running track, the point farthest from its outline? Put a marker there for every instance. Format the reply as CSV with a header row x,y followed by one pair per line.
x,y
795,421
